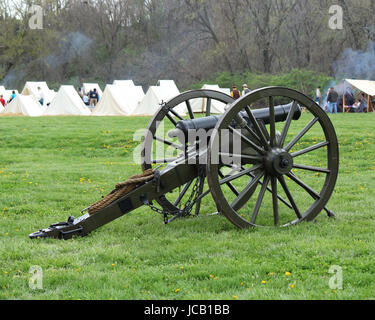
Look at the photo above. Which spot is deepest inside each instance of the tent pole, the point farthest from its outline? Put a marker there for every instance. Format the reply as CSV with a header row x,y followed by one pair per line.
x,y
369,103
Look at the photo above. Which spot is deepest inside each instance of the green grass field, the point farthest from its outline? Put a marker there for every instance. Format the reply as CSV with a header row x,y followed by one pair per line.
x,y
51,168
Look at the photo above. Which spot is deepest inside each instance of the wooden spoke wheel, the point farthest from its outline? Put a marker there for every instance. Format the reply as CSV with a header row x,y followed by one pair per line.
x,y
286,172
156,138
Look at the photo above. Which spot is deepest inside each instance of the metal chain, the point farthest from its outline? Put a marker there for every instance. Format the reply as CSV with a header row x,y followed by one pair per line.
x,y
194,194
188,207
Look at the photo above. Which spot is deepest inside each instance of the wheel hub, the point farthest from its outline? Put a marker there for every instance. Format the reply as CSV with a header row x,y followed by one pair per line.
x,y
278,162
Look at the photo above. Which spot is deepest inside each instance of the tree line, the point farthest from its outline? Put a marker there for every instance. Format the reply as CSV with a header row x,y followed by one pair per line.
x,y
185,40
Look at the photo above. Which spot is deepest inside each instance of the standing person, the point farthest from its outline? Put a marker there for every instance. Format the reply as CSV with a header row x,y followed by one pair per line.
x,y
12,96
86,99
236,94
40,96
246,90
2,101
332,99
94,98
318,96
80,92
363,104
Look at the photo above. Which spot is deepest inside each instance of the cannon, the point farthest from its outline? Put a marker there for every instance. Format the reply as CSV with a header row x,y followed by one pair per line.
x,y
265,162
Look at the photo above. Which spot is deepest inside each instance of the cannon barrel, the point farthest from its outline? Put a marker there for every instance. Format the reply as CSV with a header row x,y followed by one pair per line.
x,y
208,123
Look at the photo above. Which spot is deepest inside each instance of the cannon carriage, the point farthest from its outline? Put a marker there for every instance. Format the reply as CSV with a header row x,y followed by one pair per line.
x,y
263,162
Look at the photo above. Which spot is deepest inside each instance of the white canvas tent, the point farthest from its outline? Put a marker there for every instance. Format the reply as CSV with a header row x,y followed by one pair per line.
x,y
200,105
87,87
366,86
118,100
167,84
67,102
31,88
26,105
126,83
155,95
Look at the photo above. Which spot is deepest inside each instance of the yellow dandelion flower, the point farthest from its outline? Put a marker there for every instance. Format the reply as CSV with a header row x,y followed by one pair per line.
x,y
292,286
264,282
288,274
235,297
178,290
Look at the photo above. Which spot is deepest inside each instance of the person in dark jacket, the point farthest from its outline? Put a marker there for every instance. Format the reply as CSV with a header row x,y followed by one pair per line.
x,y
332,99
94,98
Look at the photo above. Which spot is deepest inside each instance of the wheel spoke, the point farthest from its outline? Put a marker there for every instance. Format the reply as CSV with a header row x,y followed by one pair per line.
x,y
241,156
208,107
301,134
272,123
190,109
281,199
309,168
287,124
248,141
199,200
239,175
168,143
290,197
204,194
260,199
310,149
275,201
247,190
257,128
234,190
309,190
164,161
182,193
171,119
174,112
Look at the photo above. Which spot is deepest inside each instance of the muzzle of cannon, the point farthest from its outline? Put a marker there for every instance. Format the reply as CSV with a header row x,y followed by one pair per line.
x,y
278,152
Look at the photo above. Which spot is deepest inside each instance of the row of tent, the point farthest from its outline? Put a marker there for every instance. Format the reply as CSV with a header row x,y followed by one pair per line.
x,y
122,98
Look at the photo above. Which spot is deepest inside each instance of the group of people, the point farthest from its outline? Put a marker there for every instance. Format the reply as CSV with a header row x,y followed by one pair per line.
x,y
2,100
335,103
236,94
91,98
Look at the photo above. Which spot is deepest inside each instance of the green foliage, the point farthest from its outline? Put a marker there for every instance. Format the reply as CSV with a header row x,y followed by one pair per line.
x,y
305,81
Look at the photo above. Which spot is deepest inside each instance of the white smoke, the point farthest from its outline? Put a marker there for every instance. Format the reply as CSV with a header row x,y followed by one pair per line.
x,y
73,45
356,64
